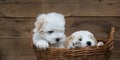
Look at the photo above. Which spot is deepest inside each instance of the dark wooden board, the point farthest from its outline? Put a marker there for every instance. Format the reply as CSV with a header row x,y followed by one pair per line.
x,y
22,27
18,16
25,8
16,49
55,1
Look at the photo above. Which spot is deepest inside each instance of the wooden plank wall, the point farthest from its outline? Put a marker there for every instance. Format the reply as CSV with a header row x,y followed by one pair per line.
x,y
17,18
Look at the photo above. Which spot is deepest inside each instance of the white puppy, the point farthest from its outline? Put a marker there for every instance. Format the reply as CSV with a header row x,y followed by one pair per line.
x,y
81,39
49,31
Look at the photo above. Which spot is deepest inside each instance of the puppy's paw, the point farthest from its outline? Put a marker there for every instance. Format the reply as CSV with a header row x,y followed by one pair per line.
x,y
100,43
76,44
42,44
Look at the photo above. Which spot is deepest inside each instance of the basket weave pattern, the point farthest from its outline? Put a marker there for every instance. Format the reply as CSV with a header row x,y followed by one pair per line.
x,y
86,53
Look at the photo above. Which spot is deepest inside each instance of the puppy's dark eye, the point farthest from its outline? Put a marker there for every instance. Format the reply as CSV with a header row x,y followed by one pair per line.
x,y
80,39
50,32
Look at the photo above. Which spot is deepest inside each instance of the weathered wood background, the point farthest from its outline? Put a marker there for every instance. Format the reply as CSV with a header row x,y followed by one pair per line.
x,y
17,18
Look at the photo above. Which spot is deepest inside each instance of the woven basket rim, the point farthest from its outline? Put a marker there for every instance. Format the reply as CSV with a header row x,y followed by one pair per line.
x,y
75,49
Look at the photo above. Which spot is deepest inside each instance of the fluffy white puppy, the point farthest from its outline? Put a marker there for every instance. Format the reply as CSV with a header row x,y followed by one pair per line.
x,y
49,31
81,39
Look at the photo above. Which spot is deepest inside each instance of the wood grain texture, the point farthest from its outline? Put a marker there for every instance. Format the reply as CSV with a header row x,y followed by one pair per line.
x,y
68,8
53,1
116,51
22,27
16,49
17,19
98,26
19,1
16,27
15,43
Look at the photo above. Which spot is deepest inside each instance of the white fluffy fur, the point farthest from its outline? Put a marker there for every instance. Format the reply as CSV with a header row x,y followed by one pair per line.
x,y
44,25
100,43
73,41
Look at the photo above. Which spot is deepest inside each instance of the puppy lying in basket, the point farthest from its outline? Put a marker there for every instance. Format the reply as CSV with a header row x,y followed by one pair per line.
x,y
49,31
81,39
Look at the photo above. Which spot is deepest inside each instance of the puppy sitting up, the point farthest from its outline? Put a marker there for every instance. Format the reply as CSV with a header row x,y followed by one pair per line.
x,y
81,39
49,31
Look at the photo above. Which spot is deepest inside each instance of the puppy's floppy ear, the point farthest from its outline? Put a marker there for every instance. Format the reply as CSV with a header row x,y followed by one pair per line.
x,y
40,24
68,41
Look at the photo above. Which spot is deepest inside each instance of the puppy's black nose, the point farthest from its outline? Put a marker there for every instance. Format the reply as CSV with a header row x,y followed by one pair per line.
x,y
88,43
57,39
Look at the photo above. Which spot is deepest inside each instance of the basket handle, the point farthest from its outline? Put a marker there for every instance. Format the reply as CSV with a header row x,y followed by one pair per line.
x,y
111,34
111,38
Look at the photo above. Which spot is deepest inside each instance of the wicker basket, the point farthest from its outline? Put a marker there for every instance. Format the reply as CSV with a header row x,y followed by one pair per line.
x,y
86,53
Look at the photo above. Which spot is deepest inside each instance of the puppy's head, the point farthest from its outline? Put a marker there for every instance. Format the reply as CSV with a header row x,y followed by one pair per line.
x,y
81,38
86,38
51,27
